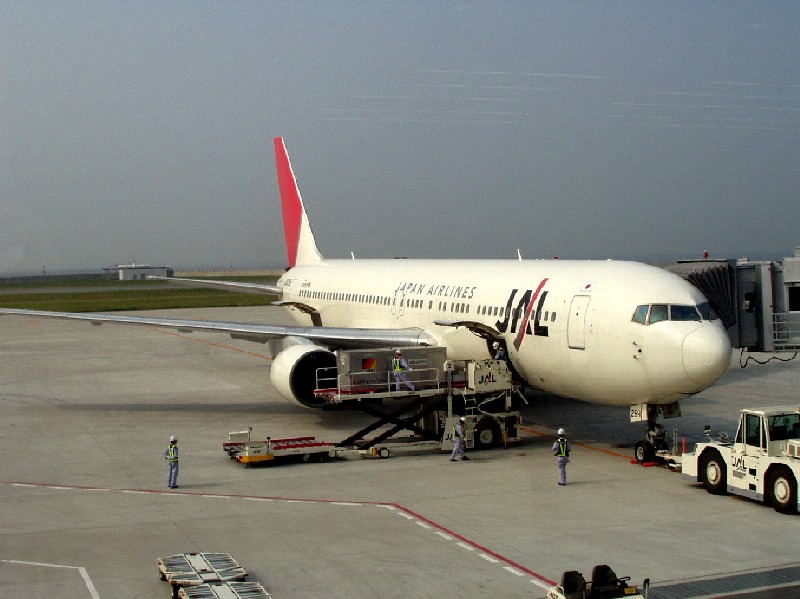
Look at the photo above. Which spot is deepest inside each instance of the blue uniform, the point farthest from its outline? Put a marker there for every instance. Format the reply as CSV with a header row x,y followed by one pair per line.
x,y
561,449
399,366
458,442
171,455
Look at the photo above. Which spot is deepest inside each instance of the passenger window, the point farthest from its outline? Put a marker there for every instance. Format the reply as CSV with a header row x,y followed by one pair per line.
x,y
640,315
684,313
659,312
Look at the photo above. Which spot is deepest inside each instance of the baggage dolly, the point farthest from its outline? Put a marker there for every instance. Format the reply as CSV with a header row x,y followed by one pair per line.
x,y
242,448
225,590
195,569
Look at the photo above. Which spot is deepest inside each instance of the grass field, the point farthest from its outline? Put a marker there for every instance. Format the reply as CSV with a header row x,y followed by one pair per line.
x,y
99,296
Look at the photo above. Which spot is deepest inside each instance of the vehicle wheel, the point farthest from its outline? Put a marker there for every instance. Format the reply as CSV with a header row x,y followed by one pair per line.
x,y
714,473
782,490
643,451
487,434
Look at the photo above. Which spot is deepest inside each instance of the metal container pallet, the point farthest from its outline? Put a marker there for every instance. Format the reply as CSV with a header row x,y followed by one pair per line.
x,y
226,590
193,569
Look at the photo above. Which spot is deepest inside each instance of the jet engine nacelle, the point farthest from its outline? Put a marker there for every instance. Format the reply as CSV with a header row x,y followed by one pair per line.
x,y
294,373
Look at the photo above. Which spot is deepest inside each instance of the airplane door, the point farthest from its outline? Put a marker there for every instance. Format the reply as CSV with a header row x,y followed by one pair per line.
x,y
576,325
398,302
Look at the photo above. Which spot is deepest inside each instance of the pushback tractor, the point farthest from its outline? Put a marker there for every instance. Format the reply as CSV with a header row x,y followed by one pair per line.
x,y
762,462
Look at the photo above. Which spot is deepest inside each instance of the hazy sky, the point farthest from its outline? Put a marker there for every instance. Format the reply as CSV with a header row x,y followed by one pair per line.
x,y
143,130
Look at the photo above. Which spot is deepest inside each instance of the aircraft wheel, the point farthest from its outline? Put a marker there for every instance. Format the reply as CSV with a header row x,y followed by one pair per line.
x,y
713,473
644,452
782,490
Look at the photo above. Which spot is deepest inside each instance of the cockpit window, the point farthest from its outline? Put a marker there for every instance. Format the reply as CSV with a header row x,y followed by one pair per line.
x,y
640,315
675,312
659,312
684,313
707,312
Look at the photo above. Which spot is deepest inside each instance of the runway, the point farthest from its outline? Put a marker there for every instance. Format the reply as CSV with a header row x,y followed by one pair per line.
x,y
86,413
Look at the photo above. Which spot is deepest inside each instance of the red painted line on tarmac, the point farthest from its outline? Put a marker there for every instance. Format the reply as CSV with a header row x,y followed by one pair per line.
x,y
472,543
396,506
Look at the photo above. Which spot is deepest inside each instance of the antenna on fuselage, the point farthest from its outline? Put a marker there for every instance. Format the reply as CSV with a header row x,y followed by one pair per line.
x,y
352,256
519,254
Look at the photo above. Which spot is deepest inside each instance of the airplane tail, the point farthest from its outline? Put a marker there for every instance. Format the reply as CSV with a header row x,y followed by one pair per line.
x,y
301,248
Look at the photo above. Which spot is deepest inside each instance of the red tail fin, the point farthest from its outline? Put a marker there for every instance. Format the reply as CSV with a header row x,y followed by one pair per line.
x,y
300,244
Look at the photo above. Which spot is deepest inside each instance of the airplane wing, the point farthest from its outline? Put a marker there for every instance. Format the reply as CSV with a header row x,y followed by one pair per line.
x,y
238,286
331,337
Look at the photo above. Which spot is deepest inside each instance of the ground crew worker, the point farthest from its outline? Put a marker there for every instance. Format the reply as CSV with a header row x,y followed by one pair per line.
x,y
499,352
459,440
400,366
171,455
561,449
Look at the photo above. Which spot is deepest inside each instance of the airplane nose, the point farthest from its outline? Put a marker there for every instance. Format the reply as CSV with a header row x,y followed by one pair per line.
x,y
706,355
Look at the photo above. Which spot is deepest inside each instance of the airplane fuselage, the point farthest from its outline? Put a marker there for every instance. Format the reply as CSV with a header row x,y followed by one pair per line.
x,y
570,327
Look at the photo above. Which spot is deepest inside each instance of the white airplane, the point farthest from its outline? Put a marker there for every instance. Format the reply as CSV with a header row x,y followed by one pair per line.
x,y
607,332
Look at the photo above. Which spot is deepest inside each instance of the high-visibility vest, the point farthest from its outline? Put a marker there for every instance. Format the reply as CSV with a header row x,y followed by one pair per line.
x,y
562,451
397,365
172,453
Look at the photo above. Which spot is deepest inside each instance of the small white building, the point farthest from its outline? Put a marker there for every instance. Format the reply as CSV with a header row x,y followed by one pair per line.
x,y
138,272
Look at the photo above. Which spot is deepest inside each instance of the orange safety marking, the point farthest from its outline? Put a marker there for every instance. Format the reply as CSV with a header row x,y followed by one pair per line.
x,y
583,445
213,343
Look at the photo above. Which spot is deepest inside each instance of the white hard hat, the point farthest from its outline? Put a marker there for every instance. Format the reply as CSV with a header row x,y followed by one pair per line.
x,y
173,438
495,345
561,431
463,419
398,352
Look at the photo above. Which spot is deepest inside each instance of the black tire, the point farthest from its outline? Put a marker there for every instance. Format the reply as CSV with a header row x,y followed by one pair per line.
x,y
782,490
487,434
713,472
643,451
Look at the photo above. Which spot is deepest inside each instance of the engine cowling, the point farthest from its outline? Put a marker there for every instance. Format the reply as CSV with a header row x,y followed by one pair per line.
x,y
294,373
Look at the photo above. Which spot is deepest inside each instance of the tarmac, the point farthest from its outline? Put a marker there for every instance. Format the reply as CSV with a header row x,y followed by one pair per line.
x,y
85,417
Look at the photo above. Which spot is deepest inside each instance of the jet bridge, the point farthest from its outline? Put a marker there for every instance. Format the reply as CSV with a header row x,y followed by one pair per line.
x,y
758,301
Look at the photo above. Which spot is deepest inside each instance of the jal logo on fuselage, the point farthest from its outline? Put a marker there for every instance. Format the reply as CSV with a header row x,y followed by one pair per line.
x,y
523,310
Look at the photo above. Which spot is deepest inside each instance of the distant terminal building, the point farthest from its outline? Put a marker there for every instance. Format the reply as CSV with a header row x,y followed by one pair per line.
x,y
137,272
